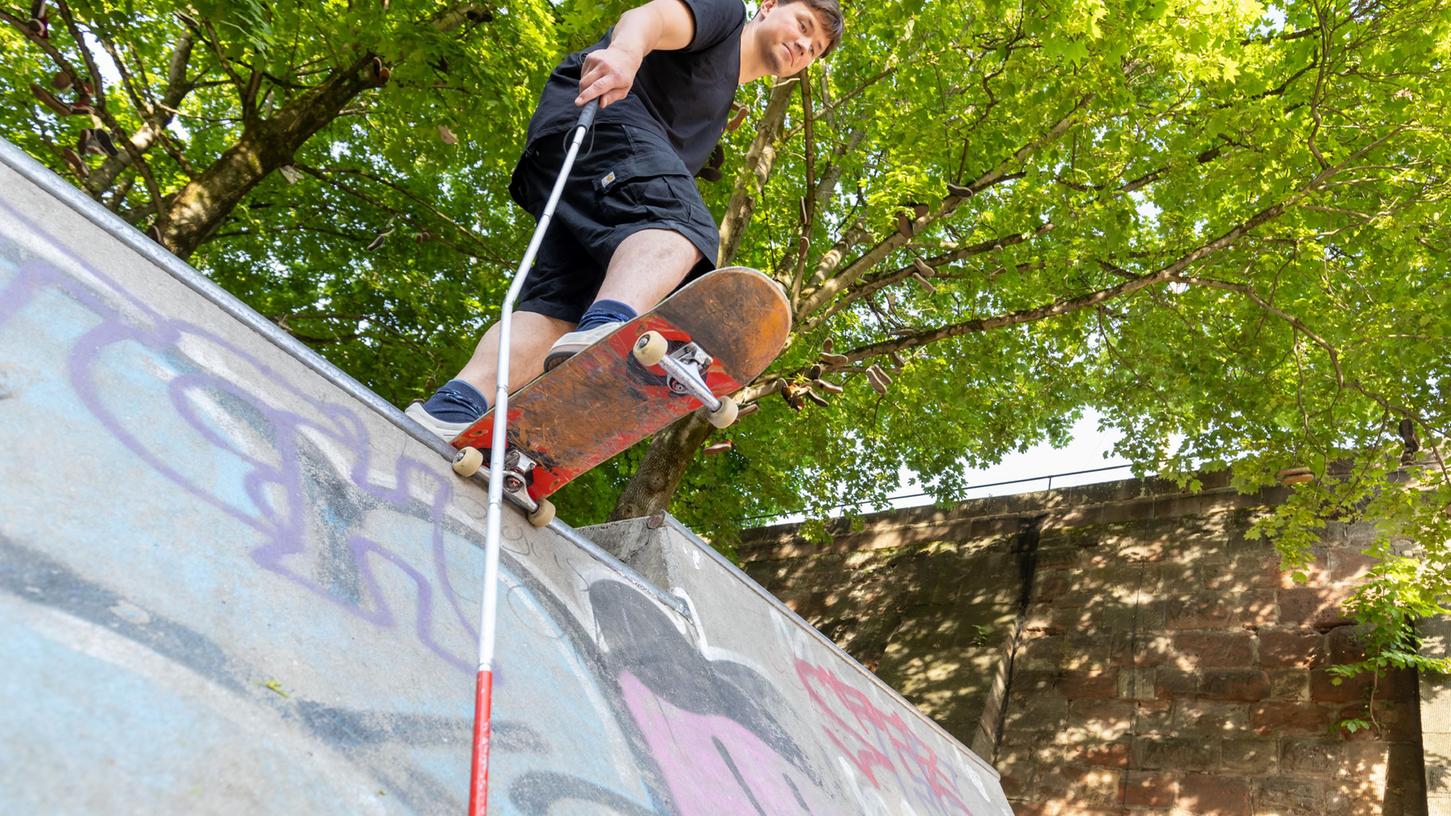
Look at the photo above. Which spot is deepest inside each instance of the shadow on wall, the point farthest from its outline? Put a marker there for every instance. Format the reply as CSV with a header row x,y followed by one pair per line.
x,y
1164,660
930,617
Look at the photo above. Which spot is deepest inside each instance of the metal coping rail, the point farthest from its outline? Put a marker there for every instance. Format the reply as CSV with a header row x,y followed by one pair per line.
x,y
36,173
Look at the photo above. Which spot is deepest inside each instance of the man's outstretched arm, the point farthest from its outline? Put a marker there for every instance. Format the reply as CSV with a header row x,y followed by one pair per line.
x,y
660,25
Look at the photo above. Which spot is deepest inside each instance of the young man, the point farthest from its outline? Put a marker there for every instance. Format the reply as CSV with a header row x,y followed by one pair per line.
x,y
630,226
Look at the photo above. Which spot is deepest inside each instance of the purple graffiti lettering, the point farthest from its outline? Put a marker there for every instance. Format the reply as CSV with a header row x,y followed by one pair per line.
x,y
345,574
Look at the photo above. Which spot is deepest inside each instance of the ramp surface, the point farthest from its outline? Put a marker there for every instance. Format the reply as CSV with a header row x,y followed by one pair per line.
x,y
232,580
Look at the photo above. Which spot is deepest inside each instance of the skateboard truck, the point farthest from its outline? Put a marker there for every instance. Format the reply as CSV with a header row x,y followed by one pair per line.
x,y
516,470
686,368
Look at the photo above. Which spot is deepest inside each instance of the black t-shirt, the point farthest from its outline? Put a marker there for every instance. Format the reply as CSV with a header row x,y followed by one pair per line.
x,y
684,96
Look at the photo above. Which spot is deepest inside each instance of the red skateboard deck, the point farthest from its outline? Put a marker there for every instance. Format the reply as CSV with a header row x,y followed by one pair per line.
x,y
603,400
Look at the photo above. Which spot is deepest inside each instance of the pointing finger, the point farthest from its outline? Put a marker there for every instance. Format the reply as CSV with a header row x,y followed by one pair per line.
x,y
596,88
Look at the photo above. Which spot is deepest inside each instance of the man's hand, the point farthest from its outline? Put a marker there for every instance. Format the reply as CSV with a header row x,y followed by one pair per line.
x,y
608,75
659,25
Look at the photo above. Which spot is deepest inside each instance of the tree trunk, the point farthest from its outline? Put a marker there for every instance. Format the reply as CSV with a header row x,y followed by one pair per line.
x,y
753,176
264,147
670,453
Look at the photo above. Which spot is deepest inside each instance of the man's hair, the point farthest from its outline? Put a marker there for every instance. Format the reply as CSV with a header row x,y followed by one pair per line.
x,y
830,13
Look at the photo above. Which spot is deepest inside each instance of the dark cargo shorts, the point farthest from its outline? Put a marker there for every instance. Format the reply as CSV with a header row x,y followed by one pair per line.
x,y
624,180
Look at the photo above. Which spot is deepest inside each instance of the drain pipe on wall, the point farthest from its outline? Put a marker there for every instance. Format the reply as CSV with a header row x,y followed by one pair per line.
x,y
1025,548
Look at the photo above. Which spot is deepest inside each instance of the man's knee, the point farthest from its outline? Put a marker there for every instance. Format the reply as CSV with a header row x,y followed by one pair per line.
x,y
543,326
657,248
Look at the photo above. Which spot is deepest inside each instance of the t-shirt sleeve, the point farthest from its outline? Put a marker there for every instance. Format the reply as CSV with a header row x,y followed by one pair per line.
x,y
715,20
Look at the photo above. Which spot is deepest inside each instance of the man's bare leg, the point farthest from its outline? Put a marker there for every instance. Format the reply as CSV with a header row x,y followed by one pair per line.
x,y
646,267
530,336
460,401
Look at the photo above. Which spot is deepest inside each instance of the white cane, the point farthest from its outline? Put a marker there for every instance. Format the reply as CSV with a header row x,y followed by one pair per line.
x,y
484,687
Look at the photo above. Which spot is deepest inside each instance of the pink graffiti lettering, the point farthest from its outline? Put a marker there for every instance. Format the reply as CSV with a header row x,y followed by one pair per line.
x,y
865,733
715,765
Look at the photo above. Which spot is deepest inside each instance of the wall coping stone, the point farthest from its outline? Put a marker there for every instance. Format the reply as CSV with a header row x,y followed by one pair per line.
x,y
1000,516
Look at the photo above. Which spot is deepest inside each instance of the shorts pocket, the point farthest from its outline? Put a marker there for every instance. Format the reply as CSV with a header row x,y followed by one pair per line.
x,y
646,190
635,166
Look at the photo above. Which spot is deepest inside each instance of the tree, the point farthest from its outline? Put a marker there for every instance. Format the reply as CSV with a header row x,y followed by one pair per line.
x,y
1220,225
342,168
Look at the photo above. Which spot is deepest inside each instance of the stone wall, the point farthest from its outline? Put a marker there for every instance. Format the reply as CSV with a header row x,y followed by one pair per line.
x,y
1157,662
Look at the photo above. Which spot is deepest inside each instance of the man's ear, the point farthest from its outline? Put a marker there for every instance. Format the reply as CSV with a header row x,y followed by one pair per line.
x,y
766,6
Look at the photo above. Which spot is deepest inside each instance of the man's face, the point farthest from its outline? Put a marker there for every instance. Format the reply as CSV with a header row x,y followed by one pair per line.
x,y
791,36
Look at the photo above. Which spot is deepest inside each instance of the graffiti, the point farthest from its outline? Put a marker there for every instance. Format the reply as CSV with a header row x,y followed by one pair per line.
x,y
283,479
259,526
709,725
878,742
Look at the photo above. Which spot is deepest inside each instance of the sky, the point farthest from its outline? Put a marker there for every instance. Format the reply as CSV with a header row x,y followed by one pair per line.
x,y
1042,465
1039,468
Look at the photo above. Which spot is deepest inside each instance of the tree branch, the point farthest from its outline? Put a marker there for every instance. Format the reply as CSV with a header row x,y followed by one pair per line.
x,y
839,282
808,201
824,188
1254,296
98,90
1166,274
155,117
752,178
867,286
831,107
320,173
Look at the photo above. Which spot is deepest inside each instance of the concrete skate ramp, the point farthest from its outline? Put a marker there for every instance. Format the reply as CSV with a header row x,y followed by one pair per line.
x,y
233,581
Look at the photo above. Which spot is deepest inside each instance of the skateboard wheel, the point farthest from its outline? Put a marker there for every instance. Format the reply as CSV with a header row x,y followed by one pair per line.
x,y
724,415
651,348
468,461
543,514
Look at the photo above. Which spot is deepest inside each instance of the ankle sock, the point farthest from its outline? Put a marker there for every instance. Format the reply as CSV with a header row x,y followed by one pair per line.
x,y
605,311
456,401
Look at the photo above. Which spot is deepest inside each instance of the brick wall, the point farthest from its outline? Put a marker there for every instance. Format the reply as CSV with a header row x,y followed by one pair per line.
x,y
1158,662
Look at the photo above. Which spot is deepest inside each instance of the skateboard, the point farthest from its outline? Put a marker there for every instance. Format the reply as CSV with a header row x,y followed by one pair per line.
x,y
707,340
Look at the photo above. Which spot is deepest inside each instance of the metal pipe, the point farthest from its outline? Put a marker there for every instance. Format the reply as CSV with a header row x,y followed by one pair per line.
x,y
691,381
